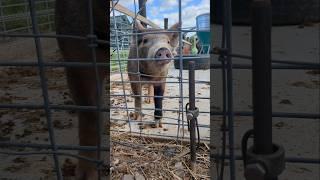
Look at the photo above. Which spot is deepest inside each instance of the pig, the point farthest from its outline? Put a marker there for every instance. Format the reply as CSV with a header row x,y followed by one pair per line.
x,y
155,45
72,18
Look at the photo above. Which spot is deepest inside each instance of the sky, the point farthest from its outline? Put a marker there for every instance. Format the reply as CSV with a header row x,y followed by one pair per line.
x,y
157,10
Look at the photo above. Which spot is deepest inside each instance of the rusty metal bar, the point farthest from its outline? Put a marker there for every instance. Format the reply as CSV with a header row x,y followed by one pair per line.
x,y
44,87
192,107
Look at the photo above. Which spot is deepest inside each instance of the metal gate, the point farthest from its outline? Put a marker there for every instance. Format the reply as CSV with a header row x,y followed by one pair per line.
x,y
263,160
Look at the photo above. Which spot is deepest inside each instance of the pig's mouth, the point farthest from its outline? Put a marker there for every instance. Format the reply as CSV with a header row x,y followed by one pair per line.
x,y
163,56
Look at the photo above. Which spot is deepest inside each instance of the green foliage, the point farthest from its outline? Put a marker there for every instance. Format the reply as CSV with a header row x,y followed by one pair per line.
x,y
123,55
17,15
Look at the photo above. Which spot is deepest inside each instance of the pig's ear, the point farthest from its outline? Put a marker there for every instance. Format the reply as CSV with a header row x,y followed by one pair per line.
x,y
175,26
138,26
174,36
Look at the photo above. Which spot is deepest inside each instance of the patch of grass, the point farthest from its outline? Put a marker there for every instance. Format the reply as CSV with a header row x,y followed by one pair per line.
x,y
123,54
20,23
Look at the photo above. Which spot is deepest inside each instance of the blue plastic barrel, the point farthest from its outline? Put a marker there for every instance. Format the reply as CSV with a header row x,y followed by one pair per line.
x,y
203,24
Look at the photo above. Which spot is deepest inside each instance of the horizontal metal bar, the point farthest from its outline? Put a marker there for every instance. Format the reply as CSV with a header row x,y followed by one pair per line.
x,y
161,31
163,117
152,109
146,75
25,3
274,66
167,123
55,36
48,146
94,148
51,152
75,63
28,27
26,15
159,135
287,159
53,107
274,60
169,82
274,114
190,29
93,108
162,59
168,97
214,66
73,148
54,64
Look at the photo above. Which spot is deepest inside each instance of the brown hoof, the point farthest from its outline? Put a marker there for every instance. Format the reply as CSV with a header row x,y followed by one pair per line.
x,y
148,100
135,116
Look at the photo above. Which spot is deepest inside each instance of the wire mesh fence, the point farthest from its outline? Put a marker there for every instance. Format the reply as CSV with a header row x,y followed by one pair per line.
x,y
124,79
32,17
49,109
15,16
228,66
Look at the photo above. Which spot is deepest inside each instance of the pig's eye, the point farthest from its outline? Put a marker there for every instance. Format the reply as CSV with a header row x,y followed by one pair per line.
x,y
145,41
168,42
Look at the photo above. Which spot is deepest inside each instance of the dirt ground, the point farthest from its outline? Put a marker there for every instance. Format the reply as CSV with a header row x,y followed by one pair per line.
x,y
293,91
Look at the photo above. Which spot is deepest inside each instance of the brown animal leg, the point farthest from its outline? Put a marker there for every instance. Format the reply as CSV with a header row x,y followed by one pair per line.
x,y
82,85
148,100
136,89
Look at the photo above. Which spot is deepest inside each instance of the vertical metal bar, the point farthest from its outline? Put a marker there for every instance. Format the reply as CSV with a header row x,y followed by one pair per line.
x,y
213,160
228,26
224,119
192,107
261,76
2,15
48,17
44,87
180,76
29,28
137,53
98,85
220,7
119,62
165,23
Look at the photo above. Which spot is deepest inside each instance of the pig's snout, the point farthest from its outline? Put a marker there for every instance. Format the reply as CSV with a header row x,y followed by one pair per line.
x,y
163,53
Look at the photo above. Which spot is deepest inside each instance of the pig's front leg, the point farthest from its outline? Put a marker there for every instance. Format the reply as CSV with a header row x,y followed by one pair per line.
x,y
148,100
136,89
158,91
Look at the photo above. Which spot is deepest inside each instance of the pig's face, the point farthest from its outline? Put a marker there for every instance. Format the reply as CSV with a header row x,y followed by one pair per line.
x,y
157,45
